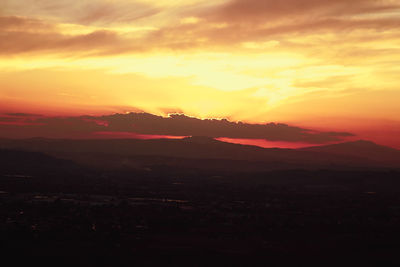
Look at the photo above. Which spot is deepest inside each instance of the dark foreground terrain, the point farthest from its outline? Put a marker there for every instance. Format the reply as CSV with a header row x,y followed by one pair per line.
x,y
57,213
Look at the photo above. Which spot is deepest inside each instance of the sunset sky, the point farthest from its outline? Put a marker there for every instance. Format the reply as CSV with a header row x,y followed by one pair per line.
x,y
317,64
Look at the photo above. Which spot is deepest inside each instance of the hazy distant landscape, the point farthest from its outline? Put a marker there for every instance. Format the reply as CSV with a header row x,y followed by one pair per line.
x,y
183,202
208,153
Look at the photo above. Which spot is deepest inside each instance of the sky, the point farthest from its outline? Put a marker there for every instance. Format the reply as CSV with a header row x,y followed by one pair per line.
x,y
328,66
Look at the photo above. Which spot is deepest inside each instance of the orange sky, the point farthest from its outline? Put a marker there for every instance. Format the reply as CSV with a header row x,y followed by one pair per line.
x,y
321,64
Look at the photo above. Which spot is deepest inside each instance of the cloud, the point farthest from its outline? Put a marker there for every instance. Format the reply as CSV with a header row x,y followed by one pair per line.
x,y
16,23
229,25
23,115
260,20
249,11
23,35
174,125
85,12
110,13
221,26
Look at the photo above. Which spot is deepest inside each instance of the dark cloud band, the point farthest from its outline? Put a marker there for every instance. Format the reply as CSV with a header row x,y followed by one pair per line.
x,y
148,124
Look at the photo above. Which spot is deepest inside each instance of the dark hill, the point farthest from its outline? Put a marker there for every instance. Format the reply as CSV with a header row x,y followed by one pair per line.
x,y
361,149
28,162
120,151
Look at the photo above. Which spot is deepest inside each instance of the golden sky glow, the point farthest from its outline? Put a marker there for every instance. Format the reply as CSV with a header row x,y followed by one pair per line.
x,y
332,65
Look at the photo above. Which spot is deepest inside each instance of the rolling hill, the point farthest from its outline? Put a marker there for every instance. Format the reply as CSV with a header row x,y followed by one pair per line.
x,y
202,151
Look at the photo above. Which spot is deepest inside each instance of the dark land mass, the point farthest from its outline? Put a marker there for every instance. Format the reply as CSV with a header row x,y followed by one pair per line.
x,y
158,203
207,153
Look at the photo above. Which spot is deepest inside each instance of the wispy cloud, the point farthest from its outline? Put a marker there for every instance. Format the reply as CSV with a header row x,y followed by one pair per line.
x,y
226,25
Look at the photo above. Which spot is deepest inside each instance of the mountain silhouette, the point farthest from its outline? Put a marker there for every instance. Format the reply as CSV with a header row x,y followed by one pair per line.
x,y
202,149
33,162
361,148
200,140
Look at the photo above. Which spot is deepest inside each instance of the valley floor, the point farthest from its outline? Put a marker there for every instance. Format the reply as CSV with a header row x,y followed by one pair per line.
x,y
201,219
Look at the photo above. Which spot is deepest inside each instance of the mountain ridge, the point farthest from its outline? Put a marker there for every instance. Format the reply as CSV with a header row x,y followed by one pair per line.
x,y
361,148
348,154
